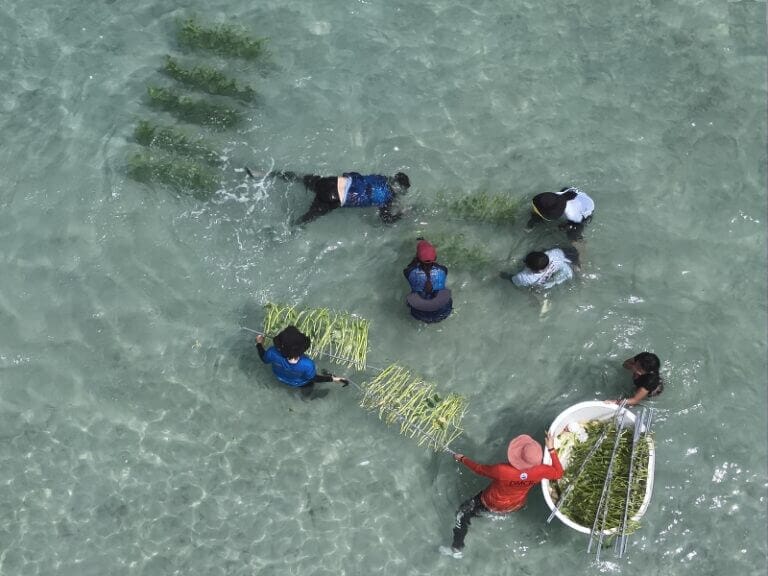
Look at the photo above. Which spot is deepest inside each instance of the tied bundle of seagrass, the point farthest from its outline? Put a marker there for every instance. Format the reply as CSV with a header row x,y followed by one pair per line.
x,y
338,335
399,396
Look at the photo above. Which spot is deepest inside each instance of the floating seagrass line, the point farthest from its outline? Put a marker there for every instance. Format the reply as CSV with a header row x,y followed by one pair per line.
x,y
222,39
191,109
208,80
174,140
338,334
455,250
486,207
185,176
400,397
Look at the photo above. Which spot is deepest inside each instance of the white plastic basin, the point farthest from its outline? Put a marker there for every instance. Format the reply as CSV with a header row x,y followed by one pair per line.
x,y
583,412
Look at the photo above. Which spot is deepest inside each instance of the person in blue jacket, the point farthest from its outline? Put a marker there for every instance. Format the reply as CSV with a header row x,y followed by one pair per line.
x,y
290,365
429,300
350,190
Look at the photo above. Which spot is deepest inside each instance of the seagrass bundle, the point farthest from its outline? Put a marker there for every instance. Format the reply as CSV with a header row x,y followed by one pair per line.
x,y
401,397
340,336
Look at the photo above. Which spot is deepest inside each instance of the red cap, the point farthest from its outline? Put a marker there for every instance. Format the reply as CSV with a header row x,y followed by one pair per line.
x,y
425,252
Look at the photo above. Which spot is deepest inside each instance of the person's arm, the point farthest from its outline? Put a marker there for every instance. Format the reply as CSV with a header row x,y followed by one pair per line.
x,y
407,270
328,377
386,214
260,347
640,395
479,469
555,471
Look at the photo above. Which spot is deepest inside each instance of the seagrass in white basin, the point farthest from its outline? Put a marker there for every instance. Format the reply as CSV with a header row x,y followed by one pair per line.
x,y
573,419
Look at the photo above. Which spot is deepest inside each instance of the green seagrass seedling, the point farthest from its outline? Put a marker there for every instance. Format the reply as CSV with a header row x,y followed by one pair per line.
x,y
207,79
486,207
174,140
221,39
342,336
183,176
191,109
405,399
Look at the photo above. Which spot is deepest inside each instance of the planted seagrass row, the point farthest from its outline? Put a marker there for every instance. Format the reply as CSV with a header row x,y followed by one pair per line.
x,y
457,250
223,39
192,109
401,397
207,79
175,141
486,207
582,503
184,176
342,337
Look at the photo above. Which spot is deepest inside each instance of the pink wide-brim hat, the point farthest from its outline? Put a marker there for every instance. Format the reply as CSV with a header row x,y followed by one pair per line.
x,y
524,452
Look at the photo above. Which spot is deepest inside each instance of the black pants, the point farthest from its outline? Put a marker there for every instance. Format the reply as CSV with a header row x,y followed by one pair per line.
x,y
325,189
472,507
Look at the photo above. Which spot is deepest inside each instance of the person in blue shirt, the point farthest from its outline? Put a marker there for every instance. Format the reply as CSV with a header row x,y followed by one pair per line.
x,y
543,270
429,301
290,365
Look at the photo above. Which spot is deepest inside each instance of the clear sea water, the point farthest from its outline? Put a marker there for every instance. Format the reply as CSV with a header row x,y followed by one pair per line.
x,y
139,433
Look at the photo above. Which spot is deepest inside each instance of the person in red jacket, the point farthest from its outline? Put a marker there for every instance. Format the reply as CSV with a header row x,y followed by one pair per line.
x,y
510,486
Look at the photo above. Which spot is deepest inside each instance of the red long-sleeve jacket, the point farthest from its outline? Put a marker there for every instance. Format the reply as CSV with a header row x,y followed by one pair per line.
x,y
510,486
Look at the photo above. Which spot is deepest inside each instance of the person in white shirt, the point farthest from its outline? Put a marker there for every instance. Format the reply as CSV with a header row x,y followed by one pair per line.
x,y
543,270
571,206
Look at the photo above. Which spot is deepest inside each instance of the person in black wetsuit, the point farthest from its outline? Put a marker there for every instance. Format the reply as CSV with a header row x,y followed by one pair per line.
x,y
645,376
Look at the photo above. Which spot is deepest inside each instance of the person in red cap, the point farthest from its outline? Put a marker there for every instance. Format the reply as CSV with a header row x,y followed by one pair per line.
x,y
429,300
510,486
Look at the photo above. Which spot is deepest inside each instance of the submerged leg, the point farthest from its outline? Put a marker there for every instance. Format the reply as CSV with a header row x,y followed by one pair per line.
x,y
467,510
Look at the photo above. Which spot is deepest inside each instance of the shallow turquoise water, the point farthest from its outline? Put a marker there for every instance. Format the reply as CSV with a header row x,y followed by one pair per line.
x,y
142,436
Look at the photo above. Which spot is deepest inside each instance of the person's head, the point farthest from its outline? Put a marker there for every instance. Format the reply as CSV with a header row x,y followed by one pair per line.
x,y
524,452
648,362
402,182
291,343
425,252
536,261
550,205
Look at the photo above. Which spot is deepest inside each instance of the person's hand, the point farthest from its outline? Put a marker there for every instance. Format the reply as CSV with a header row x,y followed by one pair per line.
x,y
344,381
611,401
260,339
549,440
458,457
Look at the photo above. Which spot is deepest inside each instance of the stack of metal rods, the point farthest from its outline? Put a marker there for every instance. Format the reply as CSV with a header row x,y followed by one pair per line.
x,y
598,526
642,428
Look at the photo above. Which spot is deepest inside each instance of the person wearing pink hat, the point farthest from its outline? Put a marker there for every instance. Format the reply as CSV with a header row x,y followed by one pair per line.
x,y
429,301
511,483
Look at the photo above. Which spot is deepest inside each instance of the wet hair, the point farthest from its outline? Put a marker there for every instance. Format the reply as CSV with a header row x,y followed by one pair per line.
x,y
551,205
402,180
536,261
648,361
426,267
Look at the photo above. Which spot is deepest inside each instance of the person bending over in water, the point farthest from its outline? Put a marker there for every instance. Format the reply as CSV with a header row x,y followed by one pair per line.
x,y
510,484
290,365
645,376
429,300
571,205
349,190
543,270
